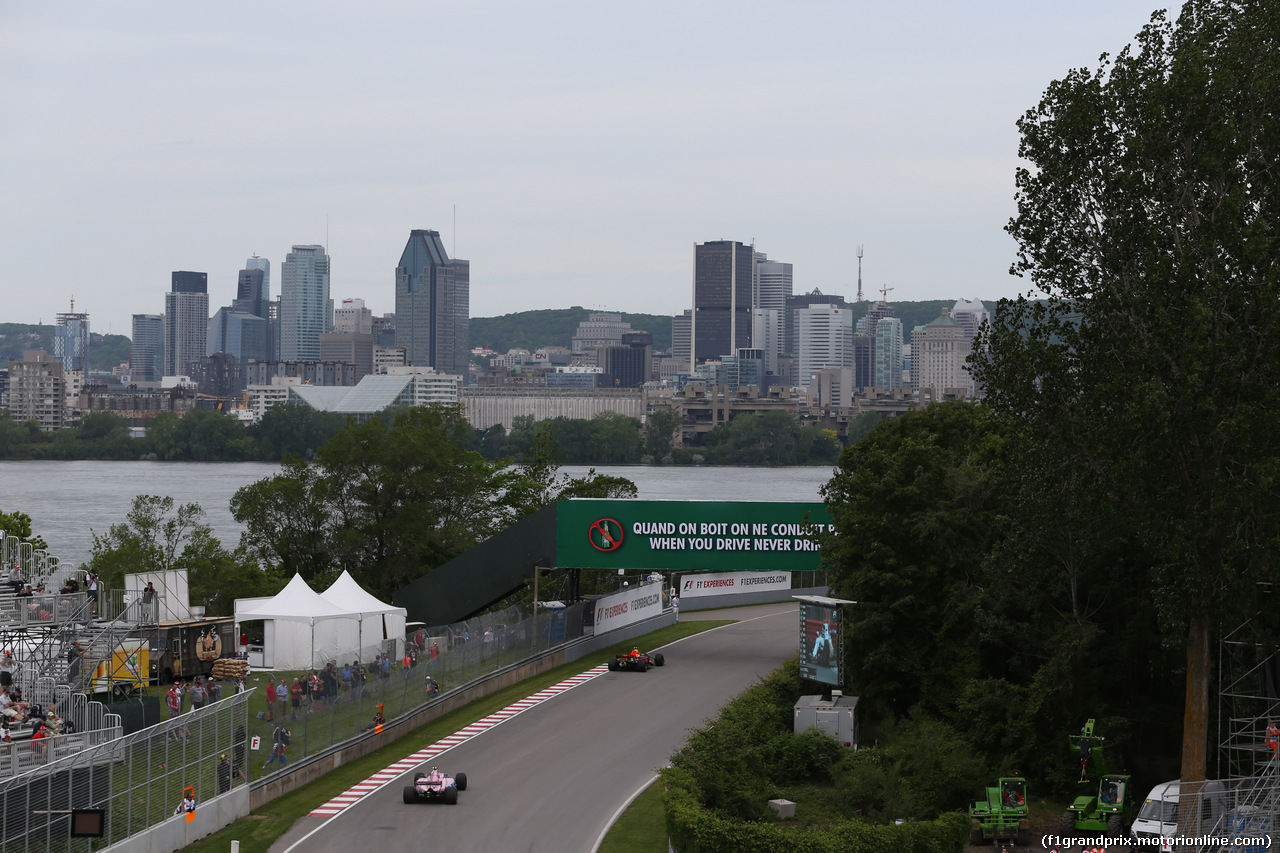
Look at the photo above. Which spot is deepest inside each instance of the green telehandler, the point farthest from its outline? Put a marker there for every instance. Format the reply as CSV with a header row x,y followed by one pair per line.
x,y
1108,810
1002,815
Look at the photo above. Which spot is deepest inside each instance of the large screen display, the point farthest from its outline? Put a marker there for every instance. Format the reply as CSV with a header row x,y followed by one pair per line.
x,y
820,644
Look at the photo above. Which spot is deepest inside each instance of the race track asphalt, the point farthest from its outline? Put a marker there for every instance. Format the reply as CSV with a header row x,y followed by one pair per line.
x,y
553,777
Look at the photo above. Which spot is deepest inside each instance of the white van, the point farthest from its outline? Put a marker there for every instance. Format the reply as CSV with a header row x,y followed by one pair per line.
x,y
1158,816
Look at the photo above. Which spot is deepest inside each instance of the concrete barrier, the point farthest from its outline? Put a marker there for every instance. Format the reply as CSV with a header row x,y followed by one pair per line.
x,y
743,599
175,832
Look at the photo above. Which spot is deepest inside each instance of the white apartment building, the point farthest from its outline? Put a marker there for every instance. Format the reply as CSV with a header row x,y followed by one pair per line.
x,y
824,339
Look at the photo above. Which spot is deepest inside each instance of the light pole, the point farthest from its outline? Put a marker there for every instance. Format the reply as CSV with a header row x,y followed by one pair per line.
x,y
538,568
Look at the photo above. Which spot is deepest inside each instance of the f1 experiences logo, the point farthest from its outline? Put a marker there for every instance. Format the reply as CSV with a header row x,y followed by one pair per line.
x,y
605,534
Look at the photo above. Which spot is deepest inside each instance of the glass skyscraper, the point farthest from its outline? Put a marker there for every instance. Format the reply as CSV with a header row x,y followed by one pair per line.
x,y
306,311
433,305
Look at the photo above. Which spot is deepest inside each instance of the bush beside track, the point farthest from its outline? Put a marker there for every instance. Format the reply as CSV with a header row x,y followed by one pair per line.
x,y
717,789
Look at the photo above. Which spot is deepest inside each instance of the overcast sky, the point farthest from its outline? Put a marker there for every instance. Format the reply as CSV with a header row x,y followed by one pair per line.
x,y
586,146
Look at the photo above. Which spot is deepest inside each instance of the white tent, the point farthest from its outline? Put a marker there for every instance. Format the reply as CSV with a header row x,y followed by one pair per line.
x,y
303,629
379,622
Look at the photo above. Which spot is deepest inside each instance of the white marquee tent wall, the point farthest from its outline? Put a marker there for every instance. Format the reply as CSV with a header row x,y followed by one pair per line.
x,y
381,626
304,629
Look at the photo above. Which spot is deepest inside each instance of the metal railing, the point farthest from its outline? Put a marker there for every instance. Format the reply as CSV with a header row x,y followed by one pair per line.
x,y
29,754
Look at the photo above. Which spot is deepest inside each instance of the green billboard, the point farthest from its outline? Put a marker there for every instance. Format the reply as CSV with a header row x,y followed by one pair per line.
x,y
740,536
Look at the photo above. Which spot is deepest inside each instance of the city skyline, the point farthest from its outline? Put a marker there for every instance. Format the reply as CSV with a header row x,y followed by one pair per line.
x,y
575,133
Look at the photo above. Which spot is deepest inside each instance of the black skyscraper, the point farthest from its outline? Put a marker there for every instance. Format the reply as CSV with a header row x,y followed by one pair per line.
x,y
721,298
433,304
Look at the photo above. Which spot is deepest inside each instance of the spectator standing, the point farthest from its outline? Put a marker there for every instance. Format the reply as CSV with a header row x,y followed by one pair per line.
x,y
91,589
282,697
271,699
295,697
174,698
225,772
74,654
148,602
199,694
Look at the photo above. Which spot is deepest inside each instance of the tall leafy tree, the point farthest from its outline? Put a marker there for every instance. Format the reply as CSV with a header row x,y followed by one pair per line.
x,y
158,535
914,506
1149,220
18,524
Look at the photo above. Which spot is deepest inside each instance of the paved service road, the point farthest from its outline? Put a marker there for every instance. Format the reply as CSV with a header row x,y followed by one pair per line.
x,y
552,778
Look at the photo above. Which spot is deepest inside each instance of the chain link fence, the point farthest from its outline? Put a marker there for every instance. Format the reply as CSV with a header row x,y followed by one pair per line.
x,y
143,779
138,780
351,696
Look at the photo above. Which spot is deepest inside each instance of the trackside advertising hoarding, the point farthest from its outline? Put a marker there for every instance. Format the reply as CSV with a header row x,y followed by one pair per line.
x,y
727,583
713,536
631,605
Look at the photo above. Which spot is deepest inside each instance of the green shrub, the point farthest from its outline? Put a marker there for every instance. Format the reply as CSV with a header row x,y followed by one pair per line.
x,y
717,789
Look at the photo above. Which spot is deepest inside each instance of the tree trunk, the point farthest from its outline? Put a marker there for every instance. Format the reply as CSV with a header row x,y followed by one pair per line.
x,y
1195,726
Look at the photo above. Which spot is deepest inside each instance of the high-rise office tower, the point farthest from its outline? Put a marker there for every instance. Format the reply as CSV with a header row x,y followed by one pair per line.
x,y
722,284
433,304
599,330
790,331
71,340
938,354
257,263
146,354
970,314
681,338
239,334
186,325
351,316
825,339
770,289
888,353
253,296
766,333
306,311
771,284
251,293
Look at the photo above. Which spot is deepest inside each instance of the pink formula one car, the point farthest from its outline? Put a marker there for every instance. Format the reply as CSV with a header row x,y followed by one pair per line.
x,y
428,787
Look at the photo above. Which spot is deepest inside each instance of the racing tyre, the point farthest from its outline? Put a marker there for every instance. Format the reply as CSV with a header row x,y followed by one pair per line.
x,y
450,796
1115,825
410,794
417,776
658,659
613,665
644,667
1067,823
461,779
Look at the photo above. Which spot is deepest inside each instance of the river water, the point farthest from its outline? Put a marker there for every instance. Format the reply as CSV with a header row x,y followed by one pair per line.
x,y
70,501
